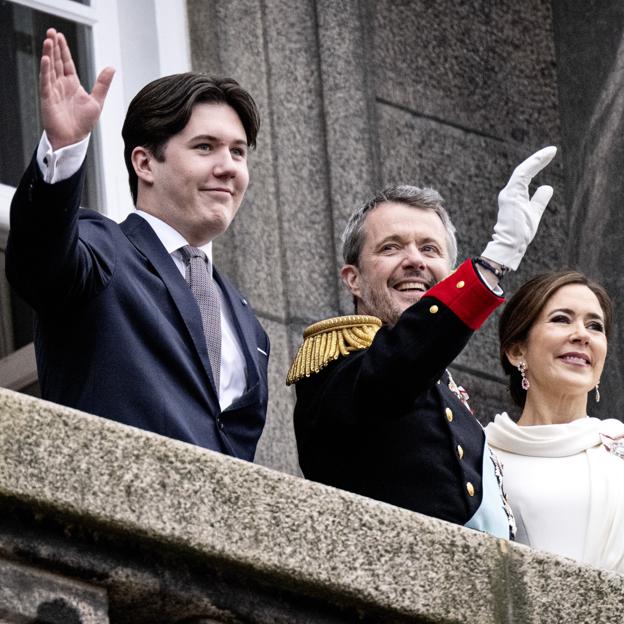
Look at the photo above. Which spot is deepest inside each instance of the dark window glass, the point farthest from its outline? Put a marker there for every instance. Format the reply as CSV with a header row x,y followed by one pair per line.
x,y
22,31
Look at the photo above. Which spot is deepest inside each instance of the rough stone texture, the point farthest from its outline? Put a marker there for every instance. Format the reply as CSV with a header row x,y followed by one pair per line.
x,y
590,55
168,528
532,574
484,66
300,154
149,582
277,448
345,37
27,593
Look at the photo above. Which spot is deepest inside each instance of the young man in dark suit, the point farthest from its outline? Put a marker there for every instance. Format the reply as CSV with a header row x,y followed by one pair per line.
x,y
377,411
119,332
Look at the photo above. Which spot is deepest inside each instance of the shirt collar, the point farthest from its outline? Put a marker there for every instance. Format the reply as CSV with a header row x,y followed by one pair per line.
x,y
171,239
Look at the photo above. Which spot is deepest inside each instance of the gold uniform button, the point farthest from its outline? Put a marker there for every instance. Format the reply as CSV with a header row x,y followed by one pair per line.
x,y
460,451
460,284
470,489
449,414
434,309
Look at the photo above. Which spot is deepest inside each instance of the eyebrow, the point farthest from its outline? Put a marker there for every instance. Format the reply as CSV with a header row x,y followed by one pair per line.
x,y
385,239
591,315
399,237
210,137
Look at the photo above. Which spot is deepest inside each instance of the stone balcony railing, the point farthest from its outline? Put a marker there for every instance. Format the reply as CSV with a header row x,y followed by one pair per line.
x,y
103,523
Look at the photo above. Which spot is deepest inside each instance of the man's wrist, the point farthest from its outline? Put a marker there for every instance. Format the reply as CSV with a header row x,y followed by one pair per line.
x,y
58,165
496,268
490,273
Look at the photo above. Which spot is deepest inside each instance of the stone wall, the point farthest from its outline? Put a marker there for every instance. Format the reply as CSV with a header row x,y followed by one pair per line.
x,y
104,523
358,94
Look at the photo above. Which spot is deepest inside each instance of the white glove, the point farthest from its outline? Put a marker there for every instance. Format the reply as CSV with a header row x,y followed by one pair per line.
x,y
519,216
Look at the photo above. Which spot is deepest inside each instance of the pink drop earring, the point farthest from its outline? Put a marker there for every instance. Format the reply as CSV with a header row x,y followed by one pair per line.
x,y
522,367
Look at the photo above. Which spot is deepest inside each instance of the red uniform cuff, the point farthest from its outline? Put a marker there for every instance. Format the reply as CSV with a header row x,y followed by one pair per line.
x,y
466,295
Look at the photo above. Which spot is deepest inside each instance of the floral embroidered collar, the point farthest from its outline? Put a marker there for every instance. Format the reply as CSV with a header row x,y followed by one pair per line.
x,y
458,391
613,444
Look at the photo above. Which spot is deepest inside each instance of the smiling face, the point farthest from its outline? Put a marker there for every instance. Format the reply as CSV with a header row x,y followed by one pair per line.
x,y
404,253
566,347
198,187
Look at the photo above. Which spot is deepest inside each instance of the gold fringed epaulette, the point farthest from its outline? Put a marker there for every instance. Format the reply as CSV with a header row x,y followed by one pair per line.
x,y
329,339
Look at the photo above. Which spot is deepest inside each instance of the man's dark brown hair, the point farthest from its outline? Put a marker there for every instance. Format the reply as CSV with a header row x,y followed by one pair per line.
x,y
163,108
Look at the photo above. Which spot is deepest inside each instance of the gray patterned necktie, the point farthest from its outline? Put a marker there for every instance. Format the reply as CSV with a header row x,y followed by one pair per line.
x,y
203,287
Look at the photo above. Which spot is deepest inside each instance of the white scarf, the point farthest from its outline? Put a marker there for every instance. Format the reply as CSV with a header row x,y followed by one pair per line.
x,y
604,542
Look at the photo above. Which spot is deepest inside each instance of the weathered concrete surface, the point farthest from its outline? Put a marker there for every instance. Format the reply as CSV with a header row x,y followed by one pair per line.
x,y
344,38
277,446
487,67
28,594
170,530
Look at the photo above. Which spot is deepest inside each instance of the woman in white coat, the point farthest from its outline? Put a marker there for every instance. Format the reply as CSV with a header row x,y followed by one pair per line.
x,y
563,470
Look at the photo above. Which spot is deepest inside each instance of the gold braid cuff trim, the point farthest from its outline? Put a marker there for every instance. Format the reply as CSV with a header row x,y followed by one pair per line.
x,y
327,340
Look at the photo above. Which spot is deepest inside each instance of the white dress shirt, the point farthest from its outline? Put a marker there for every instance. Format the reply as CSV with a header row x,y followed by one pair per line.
x,y
63,163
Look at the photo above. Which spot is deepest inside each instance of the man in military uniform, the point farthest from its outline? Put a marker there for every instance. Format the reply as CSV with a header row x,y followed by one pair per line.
x,y
377,411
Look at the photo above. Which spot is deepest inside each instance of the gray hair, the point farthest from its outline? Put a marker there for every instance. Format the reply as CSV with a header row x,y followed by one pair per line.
x,y
425,199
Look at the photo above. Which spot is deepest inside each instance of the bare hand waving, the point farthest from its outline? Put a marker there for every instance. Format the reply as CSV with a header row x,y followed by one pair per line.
x,y
69,113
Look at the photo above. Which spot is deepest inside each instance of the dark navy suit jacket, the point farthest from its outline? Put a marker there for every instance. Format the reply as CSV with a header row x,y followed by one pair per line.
x,y
118,332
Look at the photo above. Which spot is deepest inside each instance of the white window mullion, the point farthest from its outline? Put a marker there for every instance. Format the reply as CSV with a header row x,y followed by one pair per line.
x,y
114,193
174,48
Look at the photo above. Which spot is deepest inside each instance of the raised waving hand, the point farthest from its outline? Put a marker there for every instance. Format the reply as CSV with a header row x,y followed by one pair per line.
x,y
519,213
68,112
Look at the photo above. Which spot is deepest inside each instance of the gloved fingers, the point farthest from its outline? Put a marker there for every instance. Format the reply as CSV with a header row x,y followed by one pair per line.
x,y
529,168
541,197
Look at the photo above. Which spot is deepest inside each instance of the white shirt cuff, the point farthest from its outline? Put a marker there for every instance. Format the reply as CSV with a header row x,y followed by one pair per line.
x,y
61,164
497,290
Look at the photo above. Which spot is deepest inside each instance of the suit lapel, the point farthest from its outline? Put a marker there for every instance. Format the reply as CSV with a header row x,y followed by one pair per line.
x,y
143,237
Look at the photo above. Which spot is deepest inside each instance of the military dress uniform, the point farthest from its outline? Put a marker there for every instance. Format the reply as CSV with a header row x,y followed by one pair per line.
x,y
378,414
